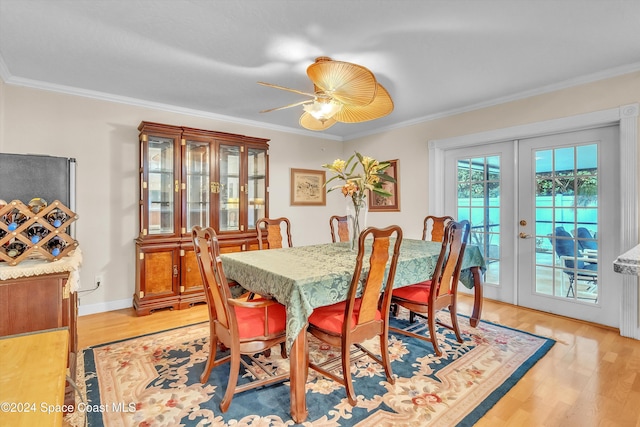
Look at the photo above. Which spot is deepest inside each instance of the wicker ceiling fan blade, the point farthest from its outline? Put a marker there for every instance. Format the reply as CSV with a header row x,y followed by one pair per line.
x,y
287,89
295,104
347,83
380,107
309,122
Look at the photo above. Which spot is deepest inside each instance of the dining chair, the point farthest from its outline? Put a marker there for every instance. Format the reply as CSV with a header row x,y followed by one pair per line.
x,y
274,229
363,315
433,230
340,227
434,226
427,298
243,327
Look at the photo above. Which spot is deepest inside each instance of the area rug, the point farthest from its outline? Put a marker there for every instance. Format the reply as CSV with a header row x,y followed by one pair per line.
x,y
153,380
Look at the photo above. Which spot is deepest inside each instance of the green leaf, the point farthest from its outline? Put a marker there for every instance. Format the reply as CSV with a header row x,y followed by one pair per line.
x,y
386,177
331,179
382,192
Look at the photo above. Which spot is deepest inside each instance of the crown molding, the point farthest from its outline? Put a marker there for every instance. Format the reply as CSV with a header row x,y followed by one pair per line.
x,y
36,84
102,96
590,78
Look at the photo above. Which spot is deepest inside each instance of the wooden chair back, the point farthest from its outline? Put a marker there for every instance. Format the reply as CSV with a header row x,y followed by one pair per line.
x,y
216,288
340,227
447,272
365,313
274,230
434,226
371,289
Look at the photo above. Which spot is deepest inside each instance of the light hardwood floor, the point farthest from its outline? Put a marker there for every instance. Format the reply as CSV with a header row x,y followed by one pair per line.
x,y
591,376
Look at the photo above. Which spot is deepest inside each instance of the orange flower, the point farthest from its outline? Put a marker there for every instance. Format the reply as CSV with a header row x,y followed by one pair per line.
x,y
349,189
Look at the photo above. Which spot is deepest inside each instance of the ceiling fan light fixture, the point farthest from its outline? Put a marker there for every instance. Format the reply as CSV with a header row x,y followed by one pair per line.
x,y
343,92
307,121
323,109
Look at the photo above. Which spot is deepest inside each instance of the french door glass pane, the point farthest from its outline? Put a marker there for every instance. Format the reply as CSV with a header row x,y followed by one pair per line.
x,y
229,188
257,161
567,222
198,192
161,185
478,184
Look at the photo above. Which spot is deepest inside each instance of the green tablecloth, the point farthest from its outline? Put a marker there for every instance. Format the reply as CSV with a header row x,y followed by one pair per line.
x,y
306,277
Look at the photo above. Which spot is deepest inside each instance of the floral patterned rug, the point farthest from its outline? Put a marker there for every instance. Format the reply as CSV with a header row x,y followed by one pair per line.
x,y
153,380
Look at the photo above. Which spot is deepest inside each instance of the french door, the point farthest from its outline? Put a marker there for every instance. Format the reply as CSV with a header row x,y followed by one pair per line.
x,y
527,202
567,210
481,180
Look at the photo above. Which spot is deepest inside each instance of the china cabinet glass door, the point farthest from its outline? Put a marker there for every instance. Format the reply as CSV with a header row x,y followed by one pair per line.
x,y
197,168
257,185
231,189
161,182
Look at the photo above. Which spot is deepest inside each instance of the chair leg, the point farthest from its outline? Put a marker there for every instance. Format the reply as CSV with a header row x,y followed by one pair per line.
x,y
386,360
454,322
346,373
283,350
431,319
213,346
234,370
394,309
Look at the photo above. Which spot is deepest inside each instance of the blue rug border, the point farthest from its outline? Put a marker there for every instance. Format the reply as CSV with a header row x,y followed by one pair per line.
x,y
491,400
95,419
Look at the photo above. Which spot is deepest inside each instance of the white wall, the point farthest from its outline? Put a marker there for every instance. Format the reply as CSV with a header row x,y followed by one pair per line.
x,y
102,136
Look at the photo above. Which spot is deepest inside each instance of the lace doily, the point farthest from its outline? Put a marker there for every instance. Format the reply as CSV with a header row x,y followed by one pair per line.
x,y
36,267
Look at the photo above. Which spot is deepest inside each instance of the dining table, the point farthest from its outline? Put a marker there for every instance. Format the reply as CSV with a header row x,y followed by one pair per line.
x,y
305,277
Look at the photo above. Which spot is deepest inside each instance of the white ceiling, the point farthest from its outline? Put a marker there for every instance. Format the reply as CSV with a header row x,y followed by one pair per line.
x,y
205,57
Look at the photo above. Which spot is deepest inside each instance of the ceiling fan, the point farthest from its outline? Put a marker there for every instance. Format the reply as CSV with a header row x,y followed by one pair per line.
x,y
343,92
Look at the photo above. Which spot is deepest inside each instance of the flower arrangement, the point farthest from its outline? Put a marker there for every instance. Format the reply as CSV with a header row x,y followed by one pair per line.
x,y
356,183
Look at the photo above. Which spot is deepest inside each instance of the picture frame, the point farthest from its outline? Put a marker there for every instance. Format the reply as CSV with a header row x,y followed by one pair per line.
x,y
378,203
307,187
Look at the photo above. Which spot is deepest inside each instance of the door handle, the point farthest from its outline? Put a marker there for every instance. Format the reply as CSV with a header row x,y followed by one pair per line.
x,y
525,236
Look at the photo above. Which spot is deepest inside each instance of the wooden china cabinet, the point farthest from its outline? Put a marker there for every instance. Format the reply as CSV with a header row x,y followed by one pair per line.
x,y
193,177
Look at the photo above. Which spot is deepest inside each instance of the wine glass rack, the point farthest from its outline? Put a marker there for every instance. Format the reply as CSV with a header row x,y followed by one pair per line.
x,y
35,250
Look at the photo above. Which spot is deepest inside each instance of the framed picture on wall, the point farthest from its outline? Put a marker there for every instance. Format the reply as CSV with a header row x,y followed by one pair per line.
x,y
307,187
378,203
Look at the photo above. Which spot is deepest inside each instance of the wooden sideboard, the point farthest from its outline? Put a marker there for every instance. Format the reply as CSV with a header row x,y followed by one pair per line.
x,y
39,295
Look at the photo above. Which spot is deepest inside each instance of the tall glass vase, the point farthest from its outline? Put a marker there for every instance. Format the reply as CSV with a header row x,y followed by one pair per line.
x,y
357,209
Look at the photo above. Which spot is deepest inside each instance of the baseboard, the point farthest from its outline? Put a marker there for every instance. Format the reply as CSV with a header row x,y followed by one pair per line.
x,y
83,310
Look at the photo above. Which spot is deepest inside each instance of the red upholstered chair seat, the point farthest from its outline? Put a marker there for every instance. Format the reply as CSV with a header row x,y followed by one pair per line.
x,y
251,320
419,292
331,317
